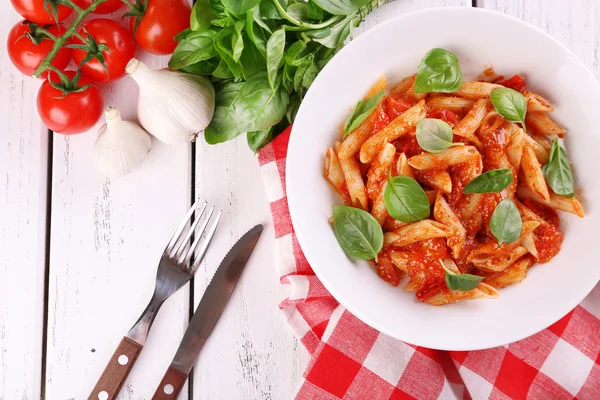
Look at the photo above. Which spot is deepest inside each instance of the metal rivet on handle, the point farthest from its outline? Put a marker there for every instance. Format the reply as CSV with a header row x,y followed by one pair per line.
x,y
168,389
123,359
103,395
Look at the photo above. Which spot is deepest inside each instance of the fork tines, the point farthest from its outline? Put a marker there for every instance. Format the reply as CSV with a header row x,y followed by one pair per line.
x,y
179,249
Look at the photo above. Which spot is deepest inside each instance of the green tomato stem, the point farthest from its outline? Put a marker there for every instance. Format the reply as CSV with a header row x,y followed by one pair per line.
x,y
45,32
81,14
63,77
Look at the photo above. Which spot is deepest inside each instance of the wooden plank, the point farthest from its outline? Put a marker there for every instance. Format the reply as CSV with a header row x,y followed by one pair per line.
x,y
106,240
574,23
252,353
23,159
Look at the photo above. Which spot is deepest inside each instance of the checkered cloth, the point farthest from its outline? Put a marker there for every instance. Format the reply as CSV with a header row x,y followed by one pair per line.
x,y
350,360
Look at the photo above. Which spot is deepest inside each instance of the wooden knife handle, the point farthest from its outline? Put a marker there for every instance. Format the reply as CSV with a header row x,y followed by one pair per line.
x,y
116,371
171,385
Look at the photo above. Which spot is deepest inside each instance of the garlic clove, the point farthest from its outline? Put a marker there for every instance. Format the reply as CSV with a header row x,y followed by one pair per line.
x,y
173,106
120,146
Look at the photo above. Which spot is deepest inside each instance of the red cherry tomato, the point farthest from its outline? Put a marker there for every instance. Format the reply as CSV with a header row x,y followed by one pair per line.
x,y
74,113
162,20
27,56
120,45
105,8
34,11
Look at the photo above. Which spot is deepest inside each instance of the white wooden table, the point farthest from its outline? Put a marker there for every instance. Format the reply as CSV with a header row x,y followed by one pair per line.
x,y
78,253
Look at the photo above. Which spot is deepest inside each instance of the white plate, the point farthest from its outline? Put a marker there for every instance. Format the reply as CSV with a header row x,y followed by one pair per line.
x,y
479,38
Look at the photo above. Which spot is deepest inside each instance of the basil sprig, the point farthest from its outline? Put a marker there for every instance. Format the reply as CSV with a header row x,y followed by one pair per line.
x,y
363,109
405,200
511,104
435,135
506,223
490,182
557,171
461,282
357,232
438,72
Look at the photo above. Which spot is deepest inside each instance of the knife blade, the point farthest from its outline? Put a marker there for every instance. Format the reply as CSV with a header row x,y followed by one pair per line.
x,y
207,314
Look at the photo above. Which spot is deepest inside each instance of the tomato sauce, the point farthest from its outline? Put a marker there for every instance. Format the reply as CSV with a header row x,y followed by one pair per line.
x,y
386,269
548,240
408,144
548,214
424,266
445,115
517,83
379,119
396,106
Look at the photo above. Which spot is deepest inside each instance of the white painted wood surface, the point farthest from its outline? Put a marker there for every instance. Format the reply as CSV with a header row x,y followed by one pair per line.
x,y
107,236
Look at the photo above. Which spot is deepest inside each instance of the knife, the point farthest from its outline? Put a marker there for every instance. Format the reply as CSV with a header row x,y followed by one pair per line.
x,y
207,314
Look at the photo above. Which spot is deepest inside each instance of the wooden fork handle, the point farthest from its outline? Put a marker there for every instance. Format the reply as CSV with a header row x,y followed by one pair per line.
x,y
171,385
116,371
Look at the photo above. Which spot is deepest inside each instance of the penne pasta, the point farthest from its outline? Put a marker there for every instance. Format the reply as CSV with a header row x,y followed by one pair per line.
x,y
439,180
540,151
467,126
570,205
483,291
356,138
402,166
477,90
378,171
332,171
472,205
451,156
378,211
456,232
398,127
457,105
536,103
528,242
401,88
379,85
354,182
491,122
400,259
513,274
542,124
417,231
514,149
534,177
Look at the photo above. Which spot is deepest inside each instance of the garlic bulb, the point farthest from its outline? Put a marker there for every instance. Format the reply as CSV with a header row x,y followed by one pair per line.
x,y
120,146
173,106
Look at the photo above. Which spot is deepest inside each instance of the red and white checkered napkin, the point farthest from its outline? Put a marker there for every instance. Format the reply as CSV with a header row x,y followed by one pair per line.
x,y
350,360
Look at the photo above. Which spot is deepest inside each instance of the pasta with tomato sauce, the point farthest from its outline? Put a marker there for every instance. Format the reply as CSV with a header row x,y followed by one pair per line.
x,y
491,193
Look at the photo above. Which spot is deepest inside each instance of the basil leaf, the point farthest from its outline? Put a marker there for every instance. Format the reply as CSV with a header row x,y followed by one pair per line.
x,y
557,171
314,11
255,33
275,51
341,7
490,182
435,135
222,71
438,72
223,43
201,16
239,7
361,112
511,104
461,282
298,11
237,40
334,35
357,232
269,10
245,107
292,109
206,67
256,140
252,59
506,223
405,200
195,47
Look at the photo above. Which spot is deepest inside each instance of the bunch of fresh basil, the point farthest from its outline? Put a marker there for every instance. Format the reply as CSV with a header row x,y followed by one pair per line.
x,y
262,55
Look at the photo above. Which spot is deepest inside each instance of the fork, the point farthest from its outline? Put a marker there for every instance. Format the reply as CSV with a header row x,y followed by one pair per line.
x,y
174,270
